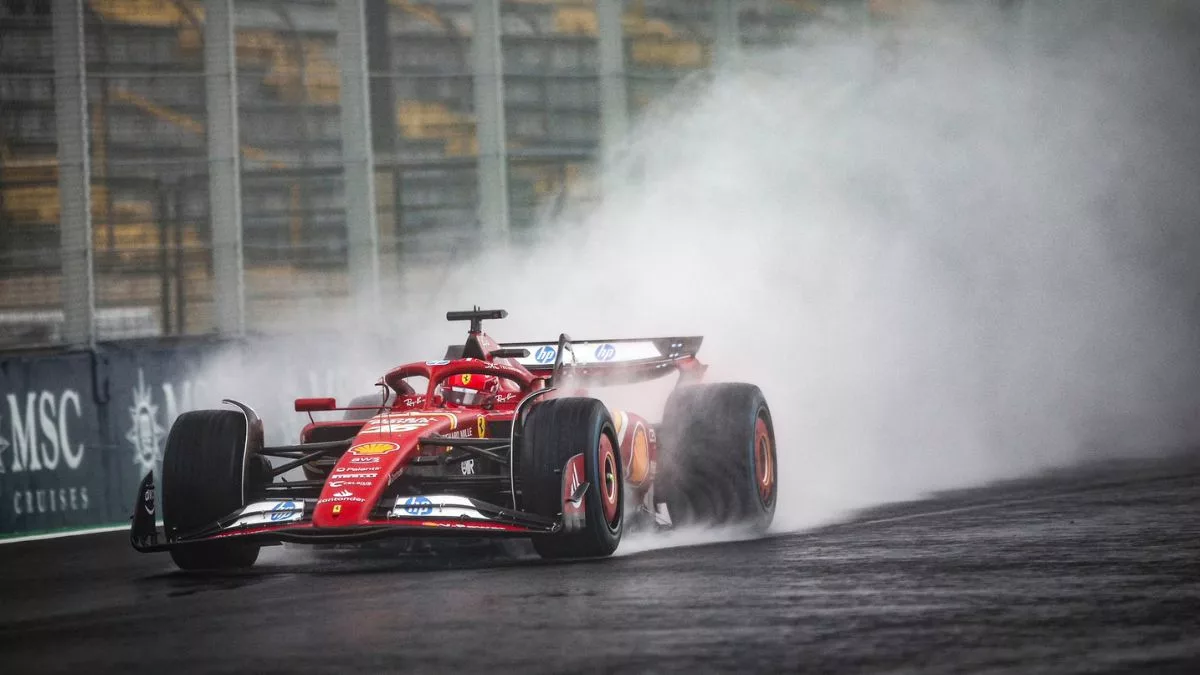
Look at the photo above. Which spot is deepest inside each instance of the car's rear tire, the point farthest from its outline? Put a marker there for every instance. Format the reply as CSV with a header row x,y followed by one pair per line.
x,y
717,463
202,482
553,433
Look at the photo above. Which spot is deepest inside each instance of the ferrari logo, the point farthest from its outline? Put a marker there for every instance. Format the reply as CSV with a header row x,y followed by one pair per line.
x,y
337,508
466,379
481,427
374,448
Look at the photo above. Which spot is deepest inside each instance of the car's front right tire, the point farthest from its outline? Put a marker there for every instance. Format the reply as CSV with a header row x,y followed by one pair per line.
x,y
203,470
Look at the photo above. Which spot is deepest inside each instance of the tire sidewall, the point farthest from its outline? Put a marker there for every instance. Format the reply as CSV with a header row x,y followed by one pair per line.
x,y
602,426
758,514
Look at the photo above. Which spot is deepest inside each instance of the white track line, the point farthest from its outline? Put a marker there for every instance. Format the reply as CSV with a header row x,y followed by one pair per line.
x,y
72,533
948,512
1084,489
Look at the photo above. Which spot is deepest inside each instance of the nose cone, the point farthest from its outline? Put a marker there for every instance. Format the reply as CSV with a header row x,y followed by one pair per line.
x,y
382,448
355,483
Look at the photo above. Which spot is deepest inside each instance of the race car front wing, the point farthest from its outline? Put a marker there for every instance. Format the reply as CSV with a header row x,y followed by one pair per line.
x,y
279,520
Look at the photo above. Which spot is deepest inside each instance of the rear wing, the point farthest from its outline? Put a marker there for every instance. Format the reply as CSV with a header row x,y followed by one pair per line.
x,y
617,361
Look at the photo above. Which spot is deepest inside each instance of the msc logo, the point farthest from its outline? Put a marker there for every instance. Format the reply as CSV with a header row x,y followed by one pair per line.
x,y
605,352
545,354
144,432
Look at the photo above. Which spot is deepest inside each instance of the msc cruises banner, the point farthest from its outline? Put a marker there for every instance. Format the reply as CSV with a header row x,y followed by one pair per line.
x,y
78,431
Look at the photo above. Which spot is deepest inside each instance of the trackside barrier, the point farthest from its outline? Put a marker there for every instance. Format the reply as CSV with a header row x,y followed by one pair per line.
x,y
79,430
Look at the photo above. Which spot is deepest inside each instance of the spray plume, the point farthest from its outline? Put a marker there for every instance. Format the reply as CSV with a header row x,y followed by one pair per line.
x,y
960,253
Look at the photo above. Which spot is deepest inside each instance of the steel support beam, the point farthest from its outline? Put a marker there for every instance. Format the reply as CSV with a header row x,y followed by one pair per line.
x,y
74,186
490,129
385,134
614,90
727,29
224,167
358,156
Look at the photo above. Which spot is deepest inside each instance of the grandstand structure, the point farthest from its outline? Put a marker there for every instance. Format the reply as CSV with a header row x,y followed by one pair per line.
x,y
147,101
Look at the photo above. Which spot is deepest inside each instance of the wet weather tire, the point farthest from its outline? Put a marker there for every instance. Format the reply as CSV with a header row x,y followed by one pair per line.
x,y
202,482
717,460
553,433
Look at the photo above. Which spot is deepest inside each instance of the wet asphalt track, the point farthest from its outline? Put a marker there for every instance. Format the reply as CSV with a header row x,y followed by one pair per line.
x,y
1094,570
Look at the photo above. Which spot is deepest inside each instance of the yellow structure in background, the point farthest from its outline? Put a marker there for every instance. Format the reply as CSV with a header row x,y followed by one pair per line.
x,y
303,70
134,228
157,13
425,12
655,43
432,121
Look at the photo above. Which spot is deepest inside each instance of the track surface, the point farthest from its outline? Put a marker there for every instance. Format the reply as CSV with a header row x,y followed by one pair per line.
x,y
1092,570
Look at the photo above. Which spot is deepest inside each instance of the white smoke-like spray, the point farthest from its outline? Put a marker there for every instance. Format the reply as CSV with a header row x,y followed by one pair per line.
x,y
947,257
931,267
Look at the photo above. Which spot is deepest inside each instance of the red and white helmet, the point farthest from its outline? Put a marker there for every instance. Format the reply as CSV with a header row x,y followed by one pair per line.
x,y
471,389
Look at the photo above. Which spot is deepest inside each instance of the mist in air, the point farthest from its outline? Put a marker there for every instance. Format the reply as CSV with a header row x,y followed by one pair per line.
x,y
962,252
957,251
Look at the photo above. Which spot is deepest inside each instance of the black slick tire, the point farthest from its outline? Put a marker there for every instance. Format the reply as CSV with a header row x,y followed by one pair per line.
x,y
202,482
553,433
716,457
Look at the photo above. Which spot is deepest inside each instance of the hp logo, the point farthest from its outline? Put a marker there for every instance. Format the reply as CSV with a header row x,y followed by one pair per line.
x,y
605,352
418,506
545,354
283,511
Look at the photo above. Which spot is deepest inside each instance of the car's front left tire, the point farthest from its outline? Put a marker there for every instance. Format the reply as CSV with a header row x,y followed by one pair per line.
x,y
554,433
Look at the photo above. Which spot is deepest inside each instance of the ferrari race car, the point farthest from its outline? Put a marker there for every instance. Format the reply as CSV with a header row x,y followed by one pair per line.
x,y
494,440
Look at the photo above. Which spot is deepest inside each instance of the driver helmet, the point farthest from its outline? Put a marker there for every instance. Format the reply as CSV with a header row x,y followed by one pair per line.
x,y
471,389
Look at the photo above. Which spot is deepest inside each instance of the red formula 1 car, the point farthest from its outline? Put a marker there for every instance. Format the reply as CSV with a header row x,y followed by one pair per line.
x,y
494,440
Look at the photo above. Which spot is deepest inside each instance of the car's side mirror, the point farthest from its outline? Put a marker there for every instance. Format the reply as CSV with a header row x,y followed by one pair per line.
x,y
315,404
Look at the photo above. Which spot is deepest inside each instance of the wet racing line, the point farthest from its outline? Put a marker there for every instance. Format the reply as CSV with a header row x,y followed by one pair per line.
x,y
1083,570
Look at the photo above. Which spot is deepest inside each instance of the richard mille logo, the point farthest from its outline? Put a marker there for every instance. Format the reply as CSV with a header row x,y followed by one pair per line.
x,y
144,433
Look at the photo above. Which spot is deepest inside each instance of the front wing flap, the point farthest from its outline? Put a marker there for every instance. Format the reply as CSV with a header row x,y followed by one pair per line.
x,y
278,520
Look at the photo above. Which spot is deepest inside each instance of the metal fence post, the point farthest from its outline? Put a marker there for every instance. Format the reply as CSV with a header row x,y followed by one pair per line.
x,y
358,156
490,130
614,90
728,38
74,175
224,168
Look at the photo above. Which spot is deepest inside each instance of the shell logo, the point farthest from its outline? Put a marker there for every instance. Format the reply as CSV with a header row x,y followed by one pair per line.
x,y
639,456
379,448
